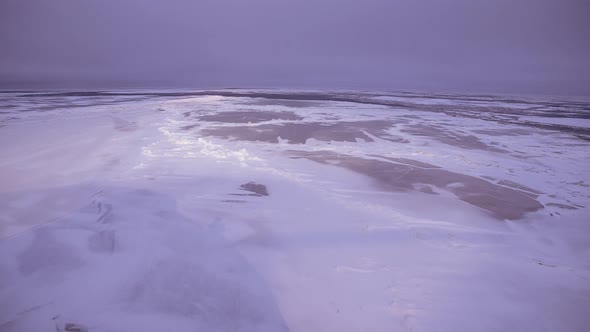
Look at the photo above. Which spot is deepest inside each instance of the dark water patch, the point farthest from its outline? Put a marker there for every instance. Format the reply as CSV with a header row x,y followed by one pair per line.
x,y
501,202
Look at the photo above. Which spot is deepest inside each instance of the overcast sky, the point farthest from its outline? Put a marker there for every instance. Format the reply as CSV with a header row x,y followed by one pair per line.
x,y
510,46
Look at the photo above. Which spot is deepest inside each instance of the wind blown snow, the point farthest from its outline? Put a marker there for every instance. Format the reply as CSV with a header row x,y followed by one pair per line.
x,y
247,210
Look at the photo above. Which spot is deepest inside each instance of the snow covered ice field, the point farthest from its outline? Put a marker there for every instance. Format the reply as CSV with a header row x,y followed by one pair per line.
x,y
271,210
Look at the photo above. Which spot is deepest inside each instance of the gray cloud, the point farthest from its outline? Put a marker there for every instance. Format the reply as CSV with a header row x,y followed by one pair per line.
x,y
518,46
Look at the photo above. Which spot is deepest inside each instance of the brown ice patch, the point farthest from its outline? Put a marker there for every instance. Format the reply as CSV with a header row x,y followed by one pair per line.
x,y
189,127
255,188
124,125
502,202
448,137
299,133
406,161
249,116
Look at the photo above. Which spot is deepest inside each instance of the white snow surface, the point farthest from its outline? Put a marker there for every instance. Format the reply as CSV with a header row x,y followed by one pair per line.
x,y
115,216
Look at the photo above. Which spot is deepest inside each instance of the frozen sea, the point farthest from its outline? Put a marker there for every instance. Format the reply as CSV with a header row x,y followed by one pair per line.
x,y
283,210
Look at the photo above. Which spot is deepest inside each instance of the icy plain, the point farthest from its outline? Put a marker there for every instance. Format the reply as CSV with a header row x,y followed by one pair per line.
x,y
271,210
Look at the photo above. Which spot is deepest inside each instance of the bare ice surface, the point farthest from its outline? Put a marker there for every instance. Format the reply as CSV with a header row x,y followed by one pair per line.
x,y
401,175
278,210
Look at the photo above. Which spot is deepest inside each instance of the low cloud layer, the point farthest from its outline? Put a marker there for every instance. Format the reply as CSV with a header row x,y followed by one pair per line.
x,y
522,46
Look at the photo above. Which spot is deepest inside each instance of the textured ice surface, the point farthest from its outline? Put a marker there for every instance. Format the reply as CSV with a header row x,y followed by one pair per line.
x,y
270,210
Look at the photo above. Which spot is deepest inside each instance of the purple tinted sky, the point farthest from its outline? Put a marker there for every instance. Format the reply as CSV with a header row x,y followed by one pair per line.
x,y
513,46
